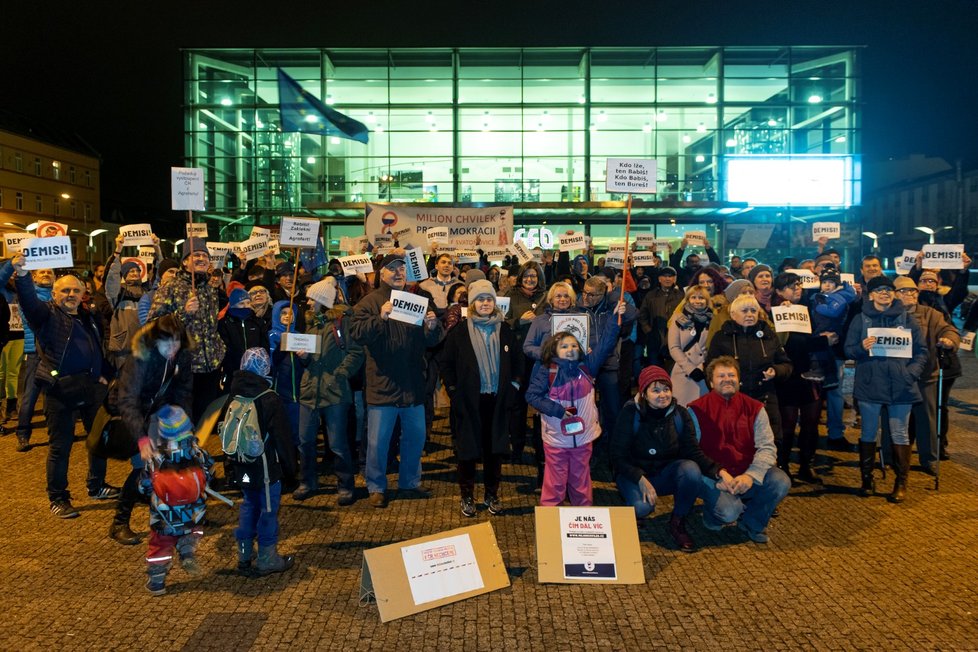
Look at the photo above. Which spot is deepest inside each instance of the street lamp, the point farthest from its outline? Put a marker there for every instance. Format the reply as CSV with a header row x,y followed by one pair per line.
x,y
875,238
929,231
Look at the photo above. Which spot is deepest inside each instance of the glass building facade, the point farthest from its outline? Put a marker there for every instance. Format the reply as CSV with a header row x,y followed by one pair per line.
x,y
533,127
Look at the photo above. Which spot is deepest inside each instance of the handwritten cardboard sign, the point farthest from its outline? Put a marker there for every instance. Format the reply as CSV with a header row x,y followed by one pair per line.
x,y
632,175
299,232
187,189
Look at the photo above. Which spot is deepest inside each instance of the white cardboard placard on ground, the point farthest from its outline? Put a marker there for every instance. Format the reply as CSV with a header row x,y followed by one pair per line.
x,y
358,264
134,235
187,189
299,232
572,242
791,319
44,253
442,568
830,230
943,256
577,324
414,262
633,175
590,545
14,242
891,342
300,342
197,230
586,543
408,308
808,279
503,303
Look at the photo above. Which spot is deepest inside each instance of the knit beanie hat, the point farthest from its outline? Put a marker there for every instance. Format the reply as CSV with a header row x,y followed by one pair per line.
x,y
198,244
757,270
736,288
173,423
256,361
323,292
237,296
166,265
472,276
653,374
127,267
831,274
481,287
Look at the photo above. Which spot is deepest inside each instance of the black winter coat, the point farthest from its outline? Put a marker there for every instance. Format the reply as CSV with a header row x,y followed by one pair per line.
x,y
460,373
239,335
755,348
279,451
655,444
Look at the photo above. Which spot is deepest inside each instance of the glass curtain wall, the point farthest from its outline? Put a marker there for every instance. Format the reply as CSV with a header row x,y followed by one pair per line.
x,y
510,125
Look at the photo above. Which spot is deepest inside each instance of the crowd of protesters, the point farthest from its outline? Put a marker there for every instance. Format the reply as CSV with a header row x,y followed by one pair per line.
x,y
680,384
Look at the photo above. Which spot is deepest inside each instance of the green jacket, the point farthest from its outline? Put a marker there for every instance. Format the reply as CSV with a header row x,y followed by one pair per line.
x,y
325,381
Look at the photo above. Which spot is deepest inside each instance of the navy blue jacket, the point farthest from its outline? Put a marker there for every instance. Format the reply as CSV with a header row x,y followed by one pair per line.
x,y
890,381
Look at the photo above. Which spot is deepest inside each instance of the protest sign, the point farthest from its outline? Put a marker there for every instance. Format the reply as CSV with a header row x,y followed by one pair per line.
x,y
253,248
503,304
967,340
414,576
299,232
273,247
134,235
466,257
50,229
300,342
643,258
352,265
218,251
891,343
414,261
260,233
383,240
572,242
848,278
631,175
943,256
593,545
496,253
577,324
469,227
408,308
645,240
830,230
906,261
187,189
45,253
197,230
437,234
791,319
808,279
14,242
695,238
147,254
519,249
615,259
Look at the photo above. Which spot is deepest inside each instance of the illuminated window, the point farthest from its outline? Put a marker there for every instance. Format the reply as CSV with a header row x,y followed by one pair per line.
x,y
56,170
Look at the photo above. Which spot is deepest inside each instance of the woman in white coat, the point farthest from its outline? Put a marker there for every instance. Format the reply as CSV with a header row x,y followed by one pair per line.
x,y
688,329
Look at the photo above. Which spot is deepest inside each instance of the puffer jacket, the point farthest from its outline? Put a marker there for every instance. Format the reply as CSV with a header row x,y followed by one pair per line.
x,y
933,326
886,380
395,369
755,348
209,348
326,379
655,443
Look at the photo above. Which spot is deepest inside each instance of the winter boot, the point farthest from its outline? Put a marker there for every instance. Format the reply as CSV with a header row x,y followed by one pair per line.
x,y
867,457
784,453
11,405
269,561
120,530
156,585
246,550
807,443
677,528
901,467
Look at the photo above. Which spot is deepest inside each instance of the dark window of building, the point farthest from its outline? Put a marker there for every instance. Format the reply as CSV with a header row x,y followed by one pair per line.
x,y
37,166
19,201
57,207
88,211
38,204
74,209
18,162
71,174
88,178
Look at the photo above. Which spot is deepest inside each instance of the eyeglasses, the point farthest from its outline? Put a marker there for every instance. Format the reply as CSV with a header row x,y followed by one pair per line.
x,y
906,291
593,295
884,290
257,291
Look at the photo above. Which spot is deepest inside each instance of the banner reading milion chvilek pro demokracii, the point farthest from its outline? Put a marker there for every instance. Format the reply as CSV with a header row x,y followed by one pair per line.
x,y
491,226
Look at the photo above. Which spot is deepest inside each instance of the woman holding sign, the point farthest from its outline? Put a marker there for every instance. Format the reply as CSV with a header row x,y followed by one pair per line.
x,y
482,368
890,355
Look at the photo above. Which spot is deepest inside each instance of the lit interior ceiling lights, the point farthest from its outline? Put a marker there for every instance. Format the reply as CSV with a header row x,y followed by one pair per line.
x,y
647,127
731,142
334,141
815,98
661,116
371,118
687,139
311,160
701,128
711,98
840,139
311,118
329,100
700,158
226,101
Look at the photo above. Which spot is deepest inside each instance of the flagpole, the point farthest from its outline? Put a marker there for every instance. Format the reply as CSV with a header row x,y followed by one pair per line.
x,y
295,279
624,271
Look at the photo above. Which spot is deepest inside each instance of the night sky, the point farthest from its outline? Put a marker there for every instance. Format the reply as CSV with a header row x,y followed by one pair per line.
x,y
113,73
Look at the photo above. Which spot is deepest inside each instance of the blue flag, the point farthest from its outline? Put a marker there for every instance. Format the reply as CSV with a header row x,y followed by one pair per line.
x,y
313,260
301,111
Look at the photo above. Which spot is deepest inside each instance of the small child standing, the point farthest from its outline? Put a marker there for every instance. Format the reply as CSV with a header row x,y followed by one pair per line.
x,y
829,309
175,479
562,390
253,406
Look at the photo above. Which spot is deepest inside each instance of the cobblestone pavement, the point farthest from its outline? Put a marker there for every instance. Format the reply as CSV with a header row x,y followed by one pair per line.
x,y
841,572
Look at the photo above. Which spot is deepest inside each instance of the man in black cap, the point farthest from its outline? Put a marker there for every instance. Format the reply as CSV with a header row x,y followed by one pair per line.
x,y
653,317
192,297
284,272
395,380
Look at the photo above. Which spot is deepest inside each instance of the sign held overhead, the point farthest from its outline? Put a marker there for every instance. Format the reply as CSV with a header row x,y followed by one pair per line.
x,y
631,175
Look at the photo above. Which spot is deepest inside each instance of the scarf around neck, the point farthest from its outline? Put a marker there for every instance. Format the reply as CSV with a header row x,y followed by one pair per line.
x,y
484,335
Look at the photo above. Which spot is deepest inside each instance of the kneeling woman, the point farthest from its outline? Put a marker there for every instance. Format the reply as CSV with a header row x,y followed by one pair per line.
x,y
655,453
482,367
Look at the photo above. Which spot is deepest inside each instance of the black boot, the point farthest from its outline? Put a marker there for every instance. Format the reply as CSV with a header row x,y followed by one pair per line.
x,y
807,443
784,453
901,467
867,457
120,530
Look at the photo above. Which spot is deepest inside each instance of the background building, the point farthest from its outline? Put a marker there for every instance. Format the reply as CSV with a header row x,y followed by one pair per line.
x,y
48,175
752,144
